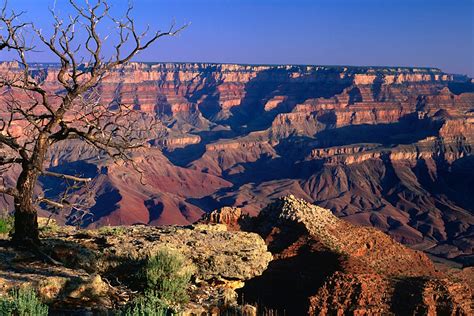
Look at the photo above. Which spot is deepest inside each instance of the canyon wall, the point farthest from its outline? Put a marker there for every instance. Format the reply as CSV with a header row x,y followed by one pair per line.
x,y
388,147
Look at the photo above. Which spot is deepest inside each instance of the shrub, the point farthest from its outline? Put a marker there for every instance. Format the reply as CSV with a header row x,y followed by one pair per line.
x,y
22,302
147,305
166,276
112,230
6,224
6,307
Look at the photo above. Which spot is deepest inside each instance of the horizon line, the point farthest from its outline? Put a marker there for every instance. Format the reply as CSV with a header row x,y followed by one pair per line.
x,y
275,64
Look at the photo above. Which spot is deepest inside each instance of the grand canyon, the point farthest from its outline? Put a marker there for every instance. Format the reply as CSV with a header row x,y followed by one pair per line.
x,y
383,147
244,158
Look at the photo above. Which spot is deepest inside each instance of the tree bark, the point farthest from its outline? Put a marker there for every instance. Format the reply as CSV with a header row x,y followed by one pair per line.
x,y
26,217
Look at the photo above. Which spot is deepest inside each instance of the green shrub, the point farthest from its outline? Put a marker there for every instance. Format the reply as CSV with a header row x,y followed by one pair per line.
x,y
6,224
112,230
165,279
165,275
147,305
6,307
22,302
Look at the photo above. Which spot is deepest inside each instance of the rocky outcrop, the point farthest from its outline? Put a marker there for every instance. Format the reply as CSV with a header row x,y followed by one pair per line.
x,y
214,252
99,269
231,217
370,251
179,142
326,266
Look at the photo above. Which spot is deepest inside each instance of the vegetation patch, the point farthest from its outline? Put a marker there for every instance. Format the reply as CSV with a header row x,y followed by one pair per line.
x,y
165,274
6,224
166,279
22,302
112,230
149,304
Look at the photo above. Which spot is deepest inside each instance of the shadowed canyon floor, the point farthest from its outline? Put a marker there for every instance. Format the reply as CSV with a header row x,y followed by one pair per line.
x,y
378,146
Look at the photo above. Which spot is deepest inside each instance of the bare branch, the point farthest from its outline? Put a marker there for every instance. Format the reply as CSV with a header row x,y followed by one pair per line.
x,y
9,191
35,114
50,202
65,176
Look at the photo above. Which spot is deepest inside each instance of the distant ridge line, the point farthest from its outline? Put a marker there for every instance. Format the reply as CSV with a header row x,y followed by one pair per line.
x,y
389,69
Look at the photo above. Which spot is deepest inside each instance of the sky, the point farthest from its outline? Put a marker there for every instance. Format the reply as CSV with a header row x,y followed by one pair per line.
x,y
430,33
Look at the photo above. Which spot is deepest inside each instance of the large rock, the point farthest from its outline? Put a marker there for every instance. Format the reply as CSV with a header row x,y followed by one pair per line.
x,y
213,252
326,266
101,269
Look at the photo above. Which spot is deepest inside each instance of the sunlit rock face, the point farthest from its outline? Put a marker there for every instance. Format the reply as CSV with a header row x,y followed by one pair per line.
x,y
383,147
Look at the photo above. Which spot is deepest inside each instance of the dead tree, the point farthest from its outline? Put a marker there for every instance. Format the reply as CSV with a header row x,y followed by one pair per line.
x,y
34,118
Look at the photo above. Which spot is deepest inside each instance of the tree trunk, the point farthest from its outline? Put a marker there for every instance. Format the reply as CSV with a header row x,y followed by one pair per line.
x,y
26,217
26,227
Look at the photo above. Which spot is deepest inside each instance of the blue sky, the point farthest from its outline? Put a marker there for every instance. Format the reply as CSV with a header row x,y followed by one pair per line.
x,y
438,33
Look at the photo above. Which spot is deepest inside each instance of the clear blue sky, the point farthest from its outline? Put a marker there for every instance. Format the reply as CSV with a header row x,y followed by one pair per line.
x,y
438,33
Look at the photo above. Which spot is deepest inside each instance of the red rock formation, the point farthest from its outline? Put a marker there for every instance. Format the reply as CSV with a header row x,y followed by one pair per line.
x,y
325,266
383,147
229,216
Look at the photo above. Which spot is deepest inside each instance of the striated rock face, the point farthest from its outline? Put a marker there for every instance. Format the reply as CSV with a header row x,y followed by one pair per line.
x,y
384,147
327,266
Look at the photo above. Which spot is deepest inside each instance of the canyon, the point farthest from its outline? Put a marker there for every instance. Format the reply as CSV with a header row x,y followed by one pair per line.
x,y
386,147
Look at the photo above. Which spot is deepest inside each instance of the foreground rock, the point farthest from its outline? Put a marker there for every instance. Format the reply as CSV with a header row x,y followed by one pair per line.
x,y
324,265
56,285
100,266
299,259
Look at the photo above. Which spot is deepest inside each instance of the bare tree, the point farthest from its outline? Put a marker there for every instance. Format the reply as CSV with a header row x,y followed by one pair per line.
x,y
36,118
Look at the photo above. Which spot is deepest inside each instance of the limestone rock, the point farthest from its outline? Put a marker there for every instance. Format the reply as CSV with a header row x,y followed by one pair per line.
x,y
59,286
